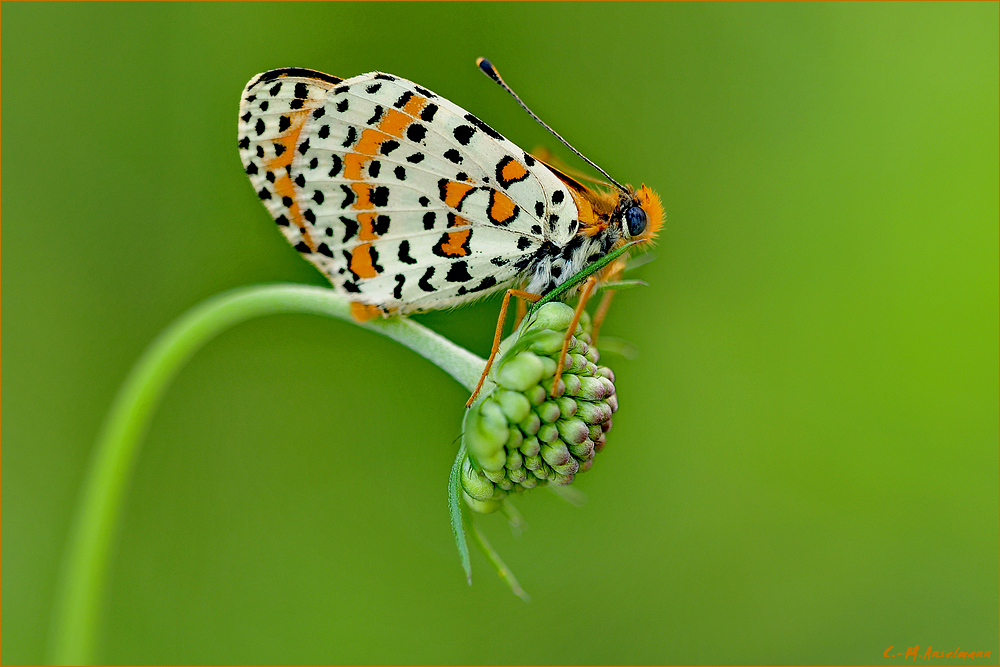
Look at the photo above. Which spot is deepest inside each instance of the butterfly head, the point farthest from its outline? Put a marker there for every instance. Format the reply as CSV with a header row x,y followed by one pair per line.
x,y
640,214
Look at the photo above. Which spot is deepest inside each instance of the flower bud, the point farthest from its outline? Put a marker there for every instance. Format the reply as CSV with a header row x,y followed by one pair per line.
x,y
572,430
567,406
514,459
533,429
594,413
555,453
547,433
530,424
529,447
483,507
521,372
474,483
548,411
515,405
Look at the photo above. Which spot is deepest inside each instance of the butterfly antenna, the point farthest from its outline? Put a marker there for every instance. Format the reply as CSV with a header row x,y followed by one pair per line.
x,y
489,70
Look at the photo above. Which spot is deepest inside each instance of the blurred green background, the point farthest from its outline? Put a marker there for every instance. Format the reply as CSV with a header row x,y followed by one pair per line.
x,y
804,468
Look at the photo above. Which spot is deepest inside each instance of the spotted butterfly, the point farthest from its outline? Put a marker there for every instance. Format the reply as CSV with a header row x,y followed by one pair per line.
x,y
409,203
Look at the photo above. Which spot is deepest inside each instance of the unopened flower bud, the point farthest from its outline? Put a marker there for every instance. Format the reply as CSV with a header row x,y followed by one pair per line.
x,y
547,433
569,468
582,450
529,447
514,459
572,430
533,462
514,439
530,424
521,372
474,483
514,405
594,413
536,395
535,429
555,453
548,411
481,506
567,406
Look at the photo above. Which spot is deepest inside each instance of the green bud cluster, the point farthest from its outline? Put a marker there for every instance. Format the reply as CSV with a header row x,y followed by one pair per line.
x,y
522,434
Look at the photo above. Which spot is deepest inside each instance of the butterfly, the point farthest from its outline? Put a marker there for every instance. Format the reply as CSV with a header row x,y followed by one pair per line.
x,y
408,203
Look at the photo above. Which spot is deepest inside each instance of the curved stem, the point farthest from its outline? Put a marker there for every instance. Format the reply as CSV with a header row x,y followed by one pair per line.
x,y
85,568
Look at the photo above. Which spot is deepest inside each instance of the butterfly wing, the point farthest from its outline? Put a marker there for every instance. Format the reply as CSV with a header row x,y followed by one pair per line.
x,y
405,201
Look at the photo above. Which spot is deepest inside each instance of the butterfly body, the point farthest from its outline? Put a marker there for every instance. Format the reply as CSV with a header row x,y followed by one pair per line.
x,y
408,203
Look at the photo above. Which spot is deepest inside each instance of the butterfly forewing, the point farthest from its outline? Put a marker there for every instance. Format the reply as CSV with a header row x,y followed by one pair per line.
x,y
405,201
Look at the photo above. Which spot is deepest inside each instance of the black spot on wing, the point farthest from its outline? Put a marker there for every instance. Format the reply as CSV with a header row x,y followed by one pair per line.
x,y
424,91
397,291
385,77
373,88
557,197
374,167
259,127
458,272
429,218
379,196
387,147
523,243
296,104
415,158
352,136
351,227
348,196
403,99
484,127
424,282
376,115
453,155
416,132
284,122
342,105
335,169
380,225
404,253
464,134
427,113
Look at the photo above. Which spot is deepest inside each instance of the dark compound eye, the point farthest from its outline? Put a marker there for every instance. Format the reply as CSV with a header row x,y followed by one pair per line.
x,y
635,220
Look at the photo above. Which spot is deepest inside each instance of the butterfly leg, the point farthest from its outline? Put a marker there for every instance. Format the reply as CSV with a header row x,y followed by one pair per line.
x,y
605,304
522,310
527,296
585,292
600,314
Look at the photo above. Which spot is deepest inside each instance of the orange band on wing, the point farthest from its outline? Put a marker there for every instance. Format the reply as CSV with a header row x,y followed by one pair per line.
x,y
362,262
283,186
452,193
502,208
362,312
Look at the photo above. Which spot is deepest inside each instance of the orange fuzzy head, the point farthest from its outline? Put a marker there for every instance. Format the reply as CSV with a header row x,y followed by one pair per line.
x,y
650,204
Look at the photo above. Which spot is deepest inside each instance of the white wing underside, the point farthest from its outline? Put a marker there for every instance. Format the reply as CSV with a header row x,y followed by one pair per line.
x,y
402,199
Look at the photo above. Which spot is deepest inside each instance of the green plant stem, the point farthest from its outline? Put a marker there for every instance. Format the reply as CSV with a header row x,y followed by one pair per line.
x,y
86,564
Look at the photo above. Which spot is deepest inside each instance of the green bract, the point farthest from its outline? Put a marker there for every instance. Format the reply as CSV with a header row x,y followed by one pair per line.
x,y
520,435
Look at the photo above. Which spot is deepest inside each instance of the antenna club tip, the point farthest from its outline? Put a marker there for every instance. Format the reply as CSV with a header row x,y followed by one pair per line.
x,y
488,69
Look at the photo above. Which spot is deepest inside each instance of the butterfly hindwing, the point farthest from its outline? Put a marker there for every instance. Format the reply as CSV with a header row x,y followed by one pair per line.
x,y
404,200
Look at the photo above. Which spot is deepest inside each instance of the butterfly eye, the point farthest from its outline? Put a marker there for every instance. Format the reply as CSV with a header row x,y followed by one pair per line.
x,y
635,221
